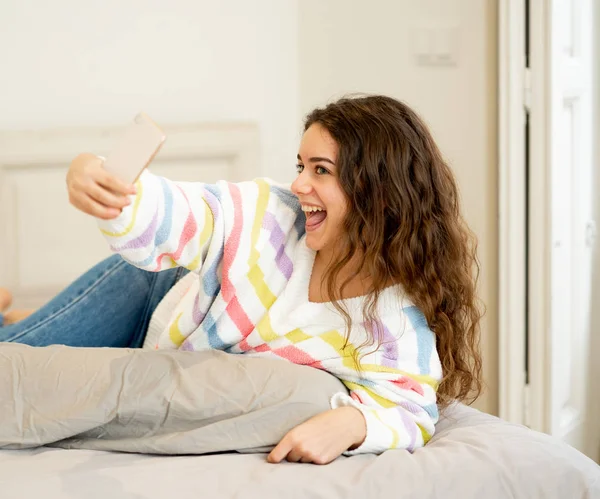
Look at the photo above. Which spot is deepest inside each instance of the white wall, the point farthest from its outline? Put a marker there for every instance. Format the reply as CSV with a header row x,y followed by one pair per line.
x,y
356,46
69,62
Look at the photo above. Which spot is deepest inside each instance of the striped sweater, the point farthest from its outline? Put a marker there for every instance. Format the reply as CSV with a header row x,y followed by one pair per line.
x,y
244,243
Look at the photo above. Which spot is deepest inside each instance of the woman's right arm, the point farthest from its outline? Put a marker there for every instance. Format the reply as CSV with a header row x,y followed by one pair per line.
x,y
155,225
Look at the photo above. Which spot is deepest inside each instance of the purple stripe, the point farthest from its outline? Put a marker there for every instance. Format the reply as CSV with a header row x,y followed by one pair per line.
x,y
186,346
382,335
277,240
143,239
411,407
411,428
213,203
197,314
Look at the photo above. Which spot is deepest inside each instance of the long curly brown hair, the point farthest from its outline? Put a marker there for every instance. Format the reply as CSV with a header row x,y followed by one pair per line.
x,y
404,221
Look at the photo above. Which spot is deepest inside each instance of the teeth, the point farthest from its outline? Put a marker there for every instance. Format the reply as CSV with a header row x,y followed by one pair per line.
x,y
311,208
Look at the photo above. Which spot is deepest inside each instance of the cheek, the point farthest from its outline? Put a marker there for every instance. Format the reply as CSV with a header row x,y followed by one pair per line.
x,y
338,215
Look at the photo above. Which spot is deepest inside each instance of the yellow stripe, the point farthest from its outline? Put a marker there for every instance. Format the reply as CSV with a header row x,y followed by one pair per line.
x,y
395,436
426,436
174,333
136,206
297,335
420,378
265,330
261,208
257,279
383,402
255,274
172,264
207,230
336,340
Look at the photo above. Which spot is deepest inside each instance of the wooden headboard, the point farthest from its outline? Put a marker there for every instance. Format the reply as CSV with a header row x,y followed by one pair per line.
x,y
45,243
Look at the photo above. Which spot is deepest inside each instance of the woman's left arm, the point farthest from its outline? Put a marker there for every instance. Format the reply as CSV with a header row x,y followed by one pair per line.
x,y
375,417
396,398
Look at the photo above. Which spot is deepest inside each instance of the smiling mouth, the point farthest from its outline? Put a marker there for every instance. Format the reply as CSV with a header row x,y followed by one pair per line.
x,y
315,219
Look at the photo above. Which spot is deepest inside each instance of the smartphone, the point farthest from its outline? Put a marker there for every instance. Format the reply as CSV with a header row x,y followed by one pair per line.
x,y
135,149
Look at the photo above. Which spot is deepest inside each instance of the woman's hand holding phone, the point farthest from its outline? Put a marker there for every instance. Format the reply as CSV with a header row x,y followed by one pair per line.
x,y
94,190
100,187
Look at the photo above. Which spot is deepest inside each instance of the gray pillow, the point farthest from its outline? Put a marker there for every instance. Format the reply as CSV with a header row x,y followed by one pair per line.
x,y
165,402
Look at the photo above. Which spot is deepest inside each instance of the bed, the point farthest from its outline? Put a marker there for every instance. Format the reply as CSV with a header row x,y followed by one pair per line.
x,y
62,408
100,423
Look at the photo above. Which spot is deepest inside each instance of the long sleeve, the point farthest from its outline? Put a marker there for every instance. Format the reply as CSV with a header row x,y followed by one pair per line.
x,y
167,224
235,238
397,395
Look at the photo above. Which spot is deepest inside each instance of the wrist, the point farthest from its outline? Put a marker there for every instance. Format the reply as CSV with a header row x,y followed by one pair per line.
x,y
359,426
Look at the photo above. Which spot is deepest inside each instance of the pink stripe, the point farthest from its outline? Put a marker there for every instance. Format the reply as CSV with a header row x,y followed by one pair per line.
x,y
189,230
239,317
294,355
233,242
261,348
356,397
243,345
407,383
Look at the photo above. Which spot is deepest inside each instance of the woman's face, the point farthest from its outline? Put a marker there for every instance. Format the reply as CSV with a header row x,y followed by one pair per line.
x,y
318,189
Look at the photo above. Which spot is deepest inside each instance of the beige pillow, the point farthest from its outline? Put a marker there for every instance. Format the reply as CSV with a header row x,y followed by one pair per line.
x,y
165,402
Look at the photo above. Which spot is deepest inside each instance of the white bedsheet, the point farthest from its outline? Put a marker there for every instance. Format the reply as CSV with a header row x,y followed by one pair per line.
x,y
477,456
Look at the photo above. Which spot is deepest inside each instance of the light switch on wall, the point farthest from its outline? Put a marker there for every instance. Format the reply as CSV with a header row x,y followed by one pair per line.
x,y
435,45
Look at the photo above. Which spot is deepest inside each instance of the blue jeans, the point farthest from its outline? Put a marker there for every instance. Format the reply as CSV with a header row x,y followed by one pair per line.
x,y
108,306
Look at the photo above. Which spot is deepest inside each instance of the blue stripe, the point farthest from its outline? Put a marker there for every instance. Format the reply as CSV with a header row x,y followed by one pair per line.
x,y
162,234
288,198
210,281
210,326
425,340
214,190
432,410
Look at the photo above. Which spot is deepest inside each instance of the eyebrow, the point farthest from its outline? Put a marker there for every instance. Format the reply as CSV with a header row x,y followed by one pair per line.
x,y
316,159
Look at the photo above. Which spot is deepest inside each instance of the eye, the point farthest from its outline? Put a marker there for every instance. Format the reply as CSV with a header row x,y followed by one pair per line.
x,y
299,168
321,170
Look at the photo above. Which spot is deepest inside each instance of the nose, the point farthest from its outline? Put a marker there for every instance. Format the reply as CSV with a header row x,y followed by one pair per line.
x,y
302,184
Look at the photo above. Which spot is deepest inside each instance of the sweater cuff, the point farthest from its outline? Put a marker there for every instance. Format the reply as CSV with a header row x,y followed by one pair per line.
x,y
123,219
377,439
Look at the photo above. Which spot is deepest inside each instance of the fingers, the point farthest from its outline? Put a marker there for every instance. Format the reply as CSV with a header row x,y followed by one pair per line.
x,y
295,456
280,451
113,183
95,191
107,198
92,207
292,451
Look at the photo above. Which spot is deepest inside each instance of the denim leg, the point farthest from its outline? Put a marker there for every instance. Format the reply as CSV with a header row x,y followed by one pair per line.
x,y
108,306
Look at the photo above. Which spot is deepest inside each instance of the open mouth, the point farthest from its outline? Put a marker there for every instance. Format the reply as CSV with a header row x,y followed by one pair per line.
x,y
315,219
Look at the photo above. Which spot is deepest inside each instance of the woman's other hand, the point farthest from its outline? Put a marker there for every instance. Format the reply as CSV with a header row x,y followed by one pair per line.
x,y
95,191
322,438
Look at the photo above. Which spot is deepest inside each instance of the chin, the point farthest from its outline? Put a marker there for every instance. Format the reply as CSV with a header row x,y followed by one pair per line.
x,y
314,243
311,244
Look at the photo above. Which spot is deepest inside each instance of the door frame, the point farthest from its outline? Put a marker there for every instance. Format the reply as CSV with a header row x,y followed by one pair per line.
x,y
524,330
540,195
511,210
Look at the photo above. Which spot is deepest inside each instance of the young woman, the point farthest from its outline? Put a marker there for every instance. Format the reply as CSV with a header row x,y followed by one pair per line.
x,y
363,268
